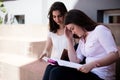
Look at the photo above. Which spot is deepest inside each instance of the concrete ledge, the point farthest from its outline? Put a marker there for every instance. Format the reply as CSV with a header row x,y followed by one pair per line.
x,y
33,71
10,65
115,28
24,32
17,67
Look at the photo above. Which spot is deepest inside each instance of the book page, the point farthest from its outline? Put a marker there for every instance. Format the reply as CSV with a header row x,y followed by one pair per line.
x,y
62,63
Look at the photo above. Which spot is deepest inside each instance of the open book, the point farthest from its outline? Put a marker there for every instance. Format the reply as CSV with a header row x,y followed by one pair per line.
x,y
62,63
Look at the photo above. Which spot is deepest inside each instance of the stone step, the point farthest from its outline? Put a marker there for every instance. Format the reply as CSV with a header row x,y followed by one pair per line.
x,y
16,39
14,47
17,67
32,48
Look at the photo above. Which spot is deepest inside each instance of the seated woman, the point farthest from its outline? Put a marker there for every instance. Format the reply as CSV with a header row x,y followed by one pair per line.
x,y
56,38
96,44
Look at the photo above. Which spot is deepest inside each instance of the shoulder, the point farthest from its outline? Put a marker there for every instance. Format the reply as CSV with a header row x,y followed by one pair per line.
x,y
102,31
101,28
51,33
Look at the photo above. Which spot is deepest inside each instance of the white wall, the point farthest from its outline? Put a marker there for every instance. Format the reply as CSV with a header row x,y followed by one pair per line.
x,y
30,8
36,10
90,7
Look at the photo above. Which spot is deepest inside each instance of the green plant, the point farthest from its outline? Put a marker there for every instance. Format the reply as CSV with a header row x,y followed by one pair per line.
x,y
1,20
3,10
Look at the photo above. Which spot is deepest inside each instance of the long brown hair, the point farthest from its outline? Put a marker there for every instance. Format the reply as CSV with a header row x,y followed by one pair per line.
x,y
56,6
81,19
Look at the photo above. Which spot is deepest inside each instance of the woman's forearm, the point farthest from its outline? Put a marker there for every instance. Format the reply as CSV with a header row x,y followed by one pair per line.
x,y
71,52
108,59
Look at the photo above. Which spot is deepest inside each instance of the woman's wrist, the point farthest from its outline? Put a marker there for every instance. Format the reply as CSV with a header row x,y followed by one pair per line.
x,y
96,64
45,52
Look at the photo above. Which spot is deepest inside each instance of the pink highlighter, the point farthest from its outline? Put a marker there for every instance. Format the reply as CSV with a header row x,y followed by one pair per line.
x,y
52,61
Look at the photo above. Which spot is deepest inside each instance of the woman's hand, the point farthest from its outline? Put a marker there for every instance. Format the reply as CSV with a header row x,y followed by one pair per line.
x,y
88,67
43,54
68,33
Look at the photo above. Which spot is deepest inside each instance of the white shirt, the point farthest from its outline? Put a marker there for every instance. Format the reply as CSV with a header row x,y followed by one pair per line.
x,y
98,44
59,43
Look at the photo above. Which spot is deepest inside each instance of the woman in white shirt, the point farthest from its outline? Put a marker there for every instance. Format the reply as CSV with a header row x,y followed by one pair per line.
x,y
56,39
96,44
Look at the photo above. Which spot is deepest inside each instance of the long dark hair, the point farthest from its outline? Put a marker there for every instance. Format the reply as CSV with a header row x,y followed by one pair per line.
x,y
56,6
81,19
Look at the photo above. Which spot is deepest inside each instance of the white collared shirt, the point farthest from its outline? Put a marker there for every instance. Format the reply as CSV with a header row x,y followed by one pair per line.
x,y
99,43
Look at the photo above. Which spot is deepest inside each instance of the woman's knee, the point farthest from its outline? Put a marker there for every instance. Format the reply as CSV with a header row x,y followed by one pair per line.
x,y
47,71
57,73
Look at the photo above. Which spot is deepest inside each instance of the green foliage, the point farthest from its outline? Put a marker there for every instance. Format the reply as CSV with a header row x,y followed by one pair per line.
x,y
2,9
1,20
1,3
1,0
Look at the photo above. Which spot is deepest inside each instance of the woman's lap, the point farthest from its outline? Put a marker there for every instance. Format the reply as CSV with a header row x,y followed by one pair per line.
x,y
64,73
